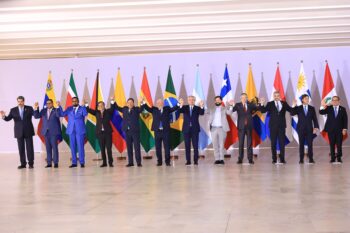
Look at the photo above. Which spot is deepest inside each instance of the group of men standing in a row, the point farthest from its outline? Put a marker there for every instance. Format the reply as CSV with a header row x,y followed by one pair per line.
x,y
307,126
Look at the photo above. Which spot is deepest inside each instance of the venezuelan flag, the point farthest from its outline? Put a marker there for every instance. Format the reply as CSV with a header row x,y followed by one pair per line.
x,y
49,94
259,130
118,135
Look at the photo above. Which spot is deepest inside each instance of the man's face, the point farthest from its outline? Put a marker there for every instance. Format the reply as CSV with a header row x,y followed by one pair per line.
x,y
244,98
160,103
130,103
218,101
306,100
191,100
101,106
20,102
75,102
277,96
335,101
49,104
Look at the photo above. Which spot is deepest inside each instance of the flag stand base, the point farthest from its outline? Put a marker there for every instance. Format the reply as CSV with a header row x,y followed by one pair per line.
x,y
174,157
201,156
147,157
227,156
98,159
255,155
121,158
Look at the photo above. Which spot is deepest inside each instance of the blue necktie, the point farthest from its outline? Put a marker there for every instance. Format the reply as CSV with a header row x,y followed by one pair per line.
x,y
160,123
21,112
190,110
305,110
336,111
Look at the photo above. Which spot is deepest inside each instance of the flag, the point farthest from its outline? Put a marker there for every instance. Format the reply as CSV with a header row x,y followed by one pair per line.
x,y
72,92
204,138
97,96
277,86
327,94
226,95
259,129
146,118
176,120
49,94
118,135
110,94
302,88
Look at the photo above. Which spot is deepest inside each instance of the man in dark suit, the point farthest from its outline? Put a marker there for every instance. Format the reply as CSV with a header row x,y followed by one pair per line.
x,y
24,130
103,130
76,130
245,110
190,127
336,126
51,129
131,127
277,124
161,128
307,126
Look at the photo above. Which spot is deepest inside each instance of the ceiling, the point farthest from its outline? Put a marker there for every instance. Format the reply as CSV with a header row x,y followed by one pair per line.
x,y
81,28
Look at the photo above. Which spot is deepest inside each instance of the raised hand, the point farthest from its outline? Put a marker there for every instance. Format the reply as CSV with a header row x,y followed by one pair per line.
x,y
58,103
36,105
323,103
112,98
84,102
262,101
344,132
201,103
315,130
2,113
181,101
294,102
231,102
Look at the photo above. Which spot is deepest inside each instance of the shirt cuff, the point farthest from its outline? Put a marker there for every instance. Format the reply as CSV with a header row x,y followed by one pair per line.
x,y
112,101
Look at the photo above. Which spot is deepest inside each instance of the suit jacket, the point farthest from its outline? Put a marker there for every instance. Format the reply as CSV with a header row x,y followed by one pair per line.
x,y
224,112
76,121
245,116
103,120
51,124
23,128
308,122
163,116
277,119
130,118
191,122
334,124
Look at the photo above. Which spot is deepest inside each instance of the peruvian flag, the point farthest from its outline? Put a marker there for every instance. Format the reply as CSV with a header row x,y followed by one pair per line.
x,y
327,94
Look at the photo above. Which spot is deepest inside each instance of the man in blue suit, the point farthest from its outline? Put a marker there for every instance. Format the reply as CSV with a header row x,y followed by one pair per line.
x,y
190,127
76,130
51,129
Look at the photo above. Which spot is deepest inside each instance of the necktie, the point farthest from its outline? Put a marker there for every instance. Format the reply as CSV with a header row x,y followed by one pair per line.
x,y
277,106
75,110
21,112
305,110
245,107
160,123
48,113
336,111
191,110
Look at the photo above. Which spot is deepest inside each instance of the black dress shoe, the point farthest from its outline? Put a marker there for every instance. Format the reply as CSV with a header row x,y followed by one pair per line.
x,y
251,162
340,160
31,166
139,165
239,161
274,161
48,166
188,164
111,165
129,165
168,164
222,162
301,161
73,165
217,162
55,166
332,161
103,165
21,166
82,165
159,164
311,161
283,161
195,163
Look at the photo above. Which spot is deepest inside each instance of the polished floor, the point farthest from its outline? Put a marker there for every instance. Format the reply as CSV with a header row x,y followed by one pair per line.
x,y
260,198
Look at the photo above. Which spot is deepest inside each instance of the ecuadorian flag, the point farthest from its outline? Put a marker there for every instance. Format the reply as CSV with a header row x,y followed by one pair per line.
x,y
176,120
259,131
146,118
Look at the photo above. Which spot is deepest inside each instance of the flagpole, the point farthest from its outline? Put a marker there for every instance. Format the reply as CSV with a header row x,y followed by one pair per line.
x,y
96,102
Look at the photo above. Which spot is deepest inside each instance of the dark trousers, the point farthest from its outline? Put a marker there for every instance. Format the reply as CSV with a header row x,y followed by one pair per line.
x,y
191,137
335,139
51,148
241,135
162,136
23,145
305,135
133,141
277,133
105,141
